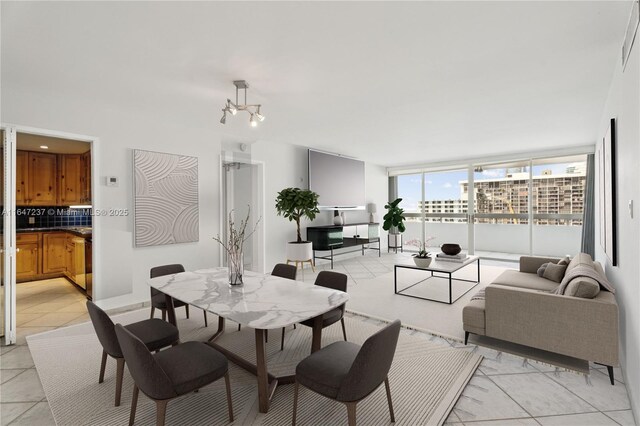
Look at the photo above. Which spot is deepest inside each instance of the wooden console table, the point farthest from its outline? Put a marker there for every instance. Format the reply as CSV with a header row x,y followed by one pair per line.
x,y
332,237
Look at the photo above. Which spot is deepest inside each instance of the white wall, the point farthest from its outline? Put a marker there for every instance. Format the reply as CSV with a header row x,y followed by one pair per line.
x,y
286,166
123,269
623,104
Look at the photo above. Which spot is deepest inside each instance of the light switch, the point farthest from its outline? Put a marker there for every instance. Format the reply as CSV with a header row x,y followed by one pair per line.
x,y
32,220
112,181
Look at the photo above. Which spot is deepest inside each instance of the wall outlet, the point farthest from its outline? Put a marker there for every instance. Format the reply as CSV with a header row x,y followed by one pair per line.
x,y
32,220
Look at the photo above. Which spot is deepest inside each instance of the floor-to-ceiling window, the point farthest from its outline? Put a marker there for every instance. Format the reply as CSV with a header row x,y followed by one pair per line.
x,y
498,210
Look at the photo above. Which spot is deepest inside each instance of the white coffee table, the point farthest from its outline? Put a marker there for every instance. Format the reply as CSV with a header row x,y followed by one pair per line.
x,y
448,268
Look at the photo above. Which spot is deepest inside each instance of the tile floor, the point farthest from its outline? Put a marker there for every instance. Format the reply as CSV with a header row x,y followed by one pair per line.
x,y
40,306
505,390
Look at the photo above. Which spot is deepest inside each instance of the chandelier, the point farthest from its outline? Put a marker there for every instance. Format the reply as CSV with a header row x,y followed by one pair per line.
x,y
233,108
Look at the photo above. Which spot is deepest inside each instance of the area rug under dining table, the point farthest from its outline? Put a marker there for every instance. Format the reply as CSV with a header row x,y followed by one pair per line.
x,y
426,378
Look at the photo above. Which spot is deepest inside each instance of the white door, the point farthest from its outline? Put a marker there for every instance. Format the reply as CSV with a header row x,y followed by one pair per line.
x,y
8,261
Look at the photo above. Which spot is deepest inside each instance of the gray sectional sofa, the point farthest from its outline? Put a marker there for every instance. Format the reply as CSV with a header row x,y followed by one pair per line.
x,y
520,307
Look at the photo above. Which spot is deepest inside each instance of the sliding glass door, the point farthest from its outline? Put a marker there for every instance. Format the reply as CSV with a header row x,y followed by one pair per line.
x,y
498,210
445,208
501,210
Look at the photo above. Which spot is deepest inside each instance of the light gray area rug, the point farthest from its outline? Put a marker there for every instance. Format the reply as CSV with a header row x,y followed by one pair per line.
x,y
375,298
426,379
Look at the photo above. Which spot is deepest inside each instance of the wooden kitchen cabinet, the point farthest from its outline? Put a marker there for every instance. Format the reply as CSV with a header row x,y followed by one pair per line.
x,y
22,172
42,179
85,178
27,256
71,179
54,252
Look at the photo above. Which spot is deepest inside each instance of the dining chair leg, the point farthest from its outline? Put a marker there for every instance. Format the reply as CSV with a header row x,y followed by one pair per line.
x,y
282,341
103,366
161,411
351,413
153,310
344,330
239,327
164,315
386,386
206,323
295,403
229,404
266,336
186,308
134,404
294,326
119,375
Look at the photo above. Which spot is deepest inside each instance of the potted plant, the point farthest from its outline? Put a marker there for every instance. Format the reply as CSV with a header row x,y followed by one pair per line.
x,y
394,223
296,204
423,258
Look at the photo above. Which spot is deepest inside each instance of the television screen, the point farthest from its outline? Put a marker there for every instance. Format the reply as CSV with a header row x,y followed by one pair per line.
x,y
339,181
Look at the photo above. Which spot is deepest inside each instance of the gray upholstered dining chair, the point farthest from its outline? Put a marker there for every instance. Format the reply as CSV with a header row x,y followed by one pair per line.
x,y
171,373
158,300
335,281
154,333
348,373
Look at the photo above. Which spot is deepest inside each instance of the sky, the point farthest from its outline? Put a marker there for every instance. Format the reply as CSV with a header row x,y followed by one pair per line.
x,y
446,185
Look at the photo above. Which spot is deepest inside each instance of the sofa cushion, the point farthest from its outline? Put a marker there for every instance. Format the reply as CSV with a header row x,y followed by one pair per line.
x,y
580,259
513,278
541,269
554,272
584,287
565,261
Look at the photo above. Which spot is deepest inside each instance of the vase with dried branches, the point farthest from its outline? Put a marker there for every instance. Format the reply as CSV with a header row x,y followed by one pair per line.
x,y
234,244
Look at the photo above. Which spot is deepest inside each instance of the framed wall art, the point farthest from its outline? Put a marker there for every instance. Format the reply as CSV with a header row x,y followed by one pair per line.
x,y
165,198
608,194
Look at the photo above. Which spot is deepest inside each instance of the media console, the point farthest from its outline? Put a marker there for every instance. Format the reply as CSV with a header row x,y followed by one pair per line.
x,y
332,237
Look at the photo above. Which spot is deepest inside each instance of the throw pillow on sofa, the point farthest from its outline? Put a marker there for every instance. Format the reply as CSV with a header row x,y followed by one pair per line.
x,y
554,272
584,287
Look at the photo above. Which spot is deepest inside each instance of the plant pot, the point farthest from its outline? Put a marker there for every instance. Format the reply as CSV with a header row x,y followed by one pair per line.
x,y
422,262
451,249
299,251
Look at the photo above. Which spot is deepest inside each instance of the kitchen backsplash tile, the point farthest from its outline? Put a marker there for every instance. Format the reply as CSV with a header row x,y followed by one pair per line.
x,y
51,216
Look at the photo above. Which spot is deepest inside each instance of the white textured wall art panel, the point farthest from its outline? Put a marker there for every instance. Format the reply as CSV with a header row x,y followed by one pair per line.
x,y
166,198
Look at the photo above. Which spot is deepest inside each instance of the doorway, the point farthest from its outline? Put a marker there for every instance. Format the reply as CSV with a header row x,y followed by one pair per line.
x,y
243,198
48,228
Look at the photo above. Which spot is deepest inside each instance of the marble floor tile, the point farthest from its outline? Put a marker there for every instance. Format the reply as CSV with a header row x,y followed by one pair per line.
x,y
23,388
48,307
585,419
483,400
617,372
24,317
540,395
624,417
23,332
11,411
5,349
20,357
504,363
596,389
39,415
452,419
8,374
53,319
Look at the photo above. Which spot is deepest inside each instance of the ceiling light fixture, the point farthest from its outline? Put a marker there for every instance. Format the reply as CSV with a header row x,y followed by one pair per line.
x,y
233,108
44,147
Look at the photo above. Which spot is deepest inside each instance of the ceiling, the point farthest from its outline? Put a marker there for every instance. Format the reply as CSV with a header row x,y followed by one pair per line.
x,y
29,142
392,83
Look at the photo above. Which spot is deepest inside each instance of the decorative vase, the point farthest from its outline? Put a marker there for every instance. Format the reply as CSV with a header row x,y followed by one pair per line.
x,y
344,218
422,262
337,219
451,249
235,264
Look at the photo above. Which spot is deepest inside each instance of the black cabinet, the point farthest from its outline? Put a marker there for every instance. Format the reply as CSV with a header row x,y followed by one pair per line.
x,y
333,237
